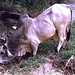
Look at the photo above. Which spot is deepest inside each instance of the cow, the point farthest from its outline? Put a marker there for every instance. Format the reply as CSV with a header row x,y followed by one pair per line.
x,y
50,24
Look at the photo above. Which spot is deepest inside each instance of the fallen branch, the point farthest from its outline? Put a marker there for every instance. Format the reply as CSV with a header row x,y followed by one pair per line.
x,y
71,58
70,64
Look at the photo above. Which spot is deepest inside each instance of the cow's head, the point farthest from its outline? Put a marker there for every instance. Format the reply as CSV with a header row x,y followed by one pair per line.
x,y
2,44
3,51
5,54
13,47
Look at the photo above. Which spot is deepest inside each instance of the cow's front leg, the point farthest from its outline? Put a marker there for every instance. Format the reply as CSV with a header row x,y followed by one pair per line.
x,y
34,48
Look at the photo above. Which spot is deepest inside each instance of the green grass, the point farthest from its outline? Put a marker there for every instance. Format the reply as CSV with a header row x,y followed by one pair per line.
x,y
4,28
47,47
66,54
29,64
32,61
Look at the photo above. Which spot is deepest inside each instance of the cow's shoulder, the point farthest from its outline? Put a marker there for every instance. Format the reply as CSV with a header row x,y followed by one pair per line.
x,y
24,16
22,20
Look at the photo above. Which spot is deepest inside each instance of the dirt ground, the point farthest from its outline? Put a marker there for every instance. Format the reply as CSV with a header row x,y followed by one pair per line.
x,y
48,68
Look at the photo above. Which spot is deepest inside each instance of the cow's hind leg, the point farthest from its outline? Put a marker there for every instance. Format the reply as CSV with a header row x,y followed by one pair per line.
x,y
62,37
66,35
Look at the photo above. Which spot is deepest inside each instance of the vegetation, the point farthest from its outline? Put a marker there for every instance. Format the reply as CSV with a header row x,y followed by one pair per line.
x,y
23,6
27,65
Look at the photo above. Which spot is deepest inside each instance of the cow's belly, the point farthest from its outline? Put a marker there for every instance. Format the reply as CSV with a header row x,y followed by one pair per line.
x,y
47,33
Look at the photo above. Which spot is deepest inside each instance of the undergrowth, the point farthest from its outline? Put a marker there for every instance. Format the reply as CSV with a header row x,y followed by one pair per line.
x,y
26,66
22,6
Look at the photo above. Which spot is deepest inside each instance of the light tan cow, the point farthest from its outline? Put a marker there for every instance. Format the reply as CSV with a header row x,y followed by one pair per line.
x,y
51,24
47,25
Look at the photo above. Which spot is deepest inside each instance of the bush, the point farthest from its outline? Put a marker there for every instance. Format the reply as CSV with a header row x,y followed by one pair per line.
x,y
31,4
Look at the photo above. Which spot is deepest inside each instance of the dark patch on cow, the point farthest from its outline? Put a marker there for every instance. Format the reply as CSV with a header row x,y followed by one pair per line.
x,y
68,35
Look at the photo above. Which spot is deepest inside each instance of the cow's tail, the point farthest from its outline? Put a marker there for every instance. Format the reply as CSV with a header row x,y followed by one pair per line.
x,y
69,32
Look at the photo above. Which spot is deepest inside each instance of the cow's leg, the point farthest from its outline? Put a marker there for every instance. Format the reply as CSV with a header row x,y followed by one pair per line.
x,y
62,37
61,40
34,48
65,40
63,46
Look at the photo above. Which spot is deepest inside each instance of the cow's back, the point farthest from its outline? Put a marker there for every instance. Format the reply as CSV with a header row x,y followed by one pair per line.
x,y
60,14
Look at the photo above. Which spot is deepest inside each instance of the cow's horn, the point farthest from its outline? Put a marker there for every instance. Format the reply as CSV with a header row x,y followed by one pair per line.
x,y
9,54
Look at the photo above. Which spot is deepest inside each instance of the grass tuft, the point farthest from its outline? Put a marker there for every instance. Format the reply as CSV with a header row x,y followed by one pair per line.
x,y
32,62
26,66
66,54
